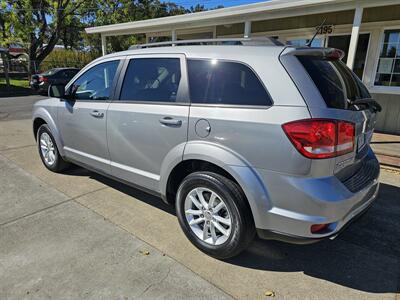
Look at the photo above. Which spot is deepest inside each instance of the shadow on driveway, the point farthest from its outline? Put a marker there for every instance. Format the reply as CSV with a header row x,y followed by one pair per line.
x,y
365,256
14,91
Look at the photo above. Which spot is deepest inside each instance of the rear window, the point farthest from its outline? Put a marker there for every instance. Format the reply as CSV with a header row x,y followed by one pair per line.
x,y
70,73
334,80
152,79
221,82
50,72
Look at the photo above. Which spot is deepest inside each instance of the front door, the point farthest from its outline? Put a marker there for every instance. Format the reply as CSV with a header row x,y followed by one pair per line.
x,y
150,118
82,121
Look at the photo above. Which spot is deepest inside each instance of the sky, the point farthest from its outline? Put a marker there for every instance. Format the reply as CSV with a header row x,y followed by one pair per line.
x,y
214,3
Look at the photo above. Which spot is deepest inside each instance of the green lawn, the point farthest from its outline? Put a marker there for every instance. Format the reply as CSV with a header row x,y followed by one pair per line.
x,y
17,83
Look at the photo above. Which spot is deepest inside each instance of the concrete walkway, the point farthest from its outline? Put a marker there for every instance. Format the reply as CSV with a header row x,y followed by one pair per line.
x,y
387,149
52,247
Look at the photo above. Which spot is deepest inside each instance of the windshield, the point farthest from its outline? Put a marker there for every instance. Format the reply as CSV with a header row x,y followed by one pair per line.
x,y
337,84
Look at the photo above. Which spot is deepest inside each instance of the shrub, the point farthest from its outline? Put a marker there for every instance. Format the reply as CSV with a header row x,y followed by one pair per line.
x,y
67,58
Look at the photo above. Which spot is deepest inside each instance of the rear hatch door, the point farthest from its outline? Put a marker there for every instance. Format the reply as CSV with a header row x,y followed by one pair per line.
x,y
339,94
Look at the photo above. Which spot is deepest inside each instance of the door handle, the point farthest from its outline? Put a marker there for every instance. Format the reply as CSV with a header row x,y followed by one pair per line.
x,y
170,121
97,114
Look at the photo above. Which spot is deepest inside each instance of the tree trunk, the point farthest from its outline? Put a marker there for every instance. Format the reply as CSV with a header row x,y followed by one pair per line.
x,y
33,67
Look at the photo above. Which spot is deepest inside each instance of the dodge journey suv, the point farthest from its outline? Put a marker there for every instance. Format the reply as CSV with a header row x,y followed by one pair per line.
x,y
245,137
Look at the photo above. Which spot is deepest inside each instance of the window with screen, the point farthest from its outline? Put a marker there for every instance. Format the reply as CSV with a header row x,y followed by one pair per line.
x,y
388,71
221,82
152,79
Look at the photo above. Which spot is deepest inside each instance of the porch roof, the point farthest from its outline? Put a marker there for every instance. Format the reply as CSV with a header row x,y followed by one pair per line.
x,y
251,12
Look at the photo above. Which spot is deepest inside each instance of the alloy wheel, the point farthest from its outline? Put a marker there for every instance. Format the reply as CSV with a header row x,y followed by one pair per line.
x,y
208,216
47,148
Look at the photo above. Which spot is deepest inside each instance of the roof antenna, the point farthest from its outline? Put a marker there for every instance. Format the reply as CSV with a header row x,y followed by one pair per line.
x,y
316,32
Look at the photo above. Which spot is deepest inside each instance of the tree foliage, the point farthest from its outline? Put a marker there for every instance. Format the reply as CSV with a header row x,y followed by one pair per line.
x,y
111,12
67,58
39,25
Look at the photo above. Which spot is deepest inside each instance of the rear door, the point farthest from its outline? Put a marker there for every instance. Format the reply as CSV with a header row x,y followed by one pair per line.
x,y
149,119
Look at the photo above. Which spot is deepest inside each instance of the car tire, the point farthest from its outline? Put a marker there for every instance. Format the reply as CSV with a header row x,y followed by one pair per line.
x,y
48,150
231,222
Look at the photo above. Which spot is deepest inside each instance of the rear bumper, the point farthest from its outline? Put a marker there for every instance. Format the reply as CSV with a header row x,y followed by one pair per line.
x,y
293,239
297,203
34,86
42,88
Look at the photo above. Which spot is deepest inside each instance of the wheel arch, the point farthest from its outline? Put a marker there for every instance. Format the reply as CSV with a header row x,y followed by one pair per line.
x,y
203,156
37,122
42,116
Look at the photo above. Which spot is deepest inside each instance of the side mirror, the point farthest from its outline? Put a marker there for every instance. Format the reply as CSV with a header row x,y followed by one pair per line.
x,y
56,91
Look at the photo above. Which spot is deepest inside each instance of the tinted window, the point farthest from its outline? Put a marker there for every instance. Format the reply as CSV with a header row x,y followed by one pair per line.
x,y
219,82
70,73
334,80
96,83
50,72
152,79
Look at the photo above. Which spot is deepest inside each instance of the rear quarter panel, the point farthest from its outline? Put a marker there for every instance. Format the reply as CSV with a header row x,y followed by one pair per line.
x,y
254,135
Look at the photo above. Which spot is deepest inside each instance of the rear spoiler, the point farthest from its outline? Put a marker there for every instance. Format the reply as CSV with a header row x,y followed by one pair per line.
x,y
325,53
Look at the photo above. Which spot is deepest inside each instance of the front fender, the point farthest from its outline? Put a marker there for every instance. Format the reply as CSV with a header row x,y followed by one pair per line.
x,y
49,118
247,177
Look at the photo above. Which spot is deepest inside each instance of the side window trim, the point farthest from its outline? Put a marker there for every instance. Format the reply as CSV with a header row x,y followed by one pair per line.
x,y
113,93
93,65
182,97
230,105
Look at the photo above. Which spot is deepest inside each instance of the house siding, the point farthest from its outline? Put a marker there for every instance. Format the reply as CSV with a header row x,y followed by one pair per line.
x,y
335,18
389,118
237,28
380,14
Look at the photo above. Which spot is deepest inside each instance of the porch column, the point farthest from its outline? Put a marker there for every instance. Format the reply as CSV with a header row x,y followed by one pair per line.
x,y
173,35
103,44
354,36
247,29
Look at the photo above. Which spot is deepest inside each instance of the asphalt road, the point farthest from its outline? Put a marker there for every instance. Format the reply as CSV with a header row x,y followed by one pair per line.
x,y
79,235
17,108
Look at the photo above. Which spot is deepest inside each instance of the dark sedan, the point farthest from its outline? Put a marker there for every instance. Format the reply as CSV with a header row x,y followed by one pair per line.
x,y
41,82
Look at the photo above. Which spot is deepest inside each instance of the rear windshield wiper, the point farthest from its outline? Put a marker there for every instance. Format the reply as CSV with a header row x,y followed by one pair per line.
x,y
370,103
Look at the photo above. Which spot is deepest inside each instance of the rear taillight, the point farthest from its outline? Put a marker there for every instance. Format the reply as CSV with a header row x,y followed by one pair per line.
x,y
43,79
321,138
346,132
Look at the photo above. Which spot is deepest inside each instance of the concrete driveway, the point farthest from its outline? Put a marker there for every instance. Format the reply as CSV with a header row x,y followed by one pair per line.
x,y
79,235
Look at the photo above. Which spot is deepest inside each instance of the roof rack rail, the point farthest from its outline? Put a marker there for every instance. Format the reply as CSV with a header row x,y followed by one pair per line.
x,y
259,41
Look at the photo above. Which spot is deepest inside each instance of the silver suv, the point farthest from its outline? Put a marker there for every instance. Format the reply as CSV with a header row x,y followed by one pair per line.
x,y
245,137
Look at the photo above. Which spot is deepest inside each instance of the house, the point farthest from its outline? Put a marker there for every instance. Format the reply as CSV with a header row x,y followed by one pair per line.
x,y
367,30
